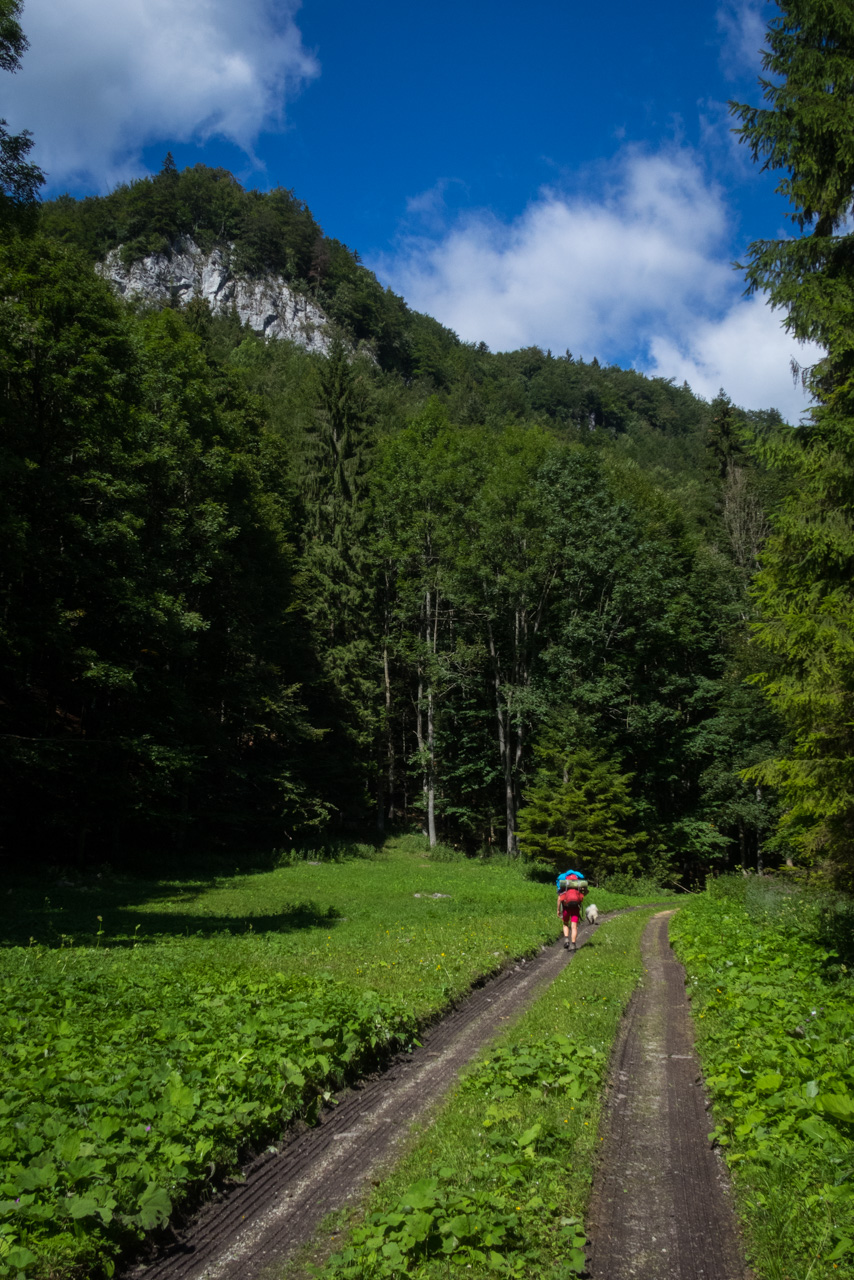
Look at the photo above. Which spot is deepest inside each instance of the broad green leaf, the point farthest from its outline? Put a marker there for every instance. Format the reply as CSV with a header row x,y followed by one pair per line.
x,y
154,1206
68,1146
419,1225
19,1257
421,1194
530,1135
814,1129
838,1105
82,1206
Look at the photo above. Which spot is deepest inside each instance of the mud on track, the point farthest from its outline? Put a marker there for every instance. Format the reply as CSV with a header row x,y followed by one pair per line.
x,y
661,1208
287,1194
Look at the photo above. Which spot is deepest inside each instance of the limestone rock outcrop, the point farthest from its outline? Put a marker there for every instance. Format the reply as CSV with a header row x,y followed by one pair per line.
x,y
268,305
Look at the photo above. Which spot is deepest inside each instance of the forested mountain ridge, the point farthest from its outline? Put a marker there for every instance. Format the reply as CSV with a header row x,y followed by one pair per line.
x,y
257,592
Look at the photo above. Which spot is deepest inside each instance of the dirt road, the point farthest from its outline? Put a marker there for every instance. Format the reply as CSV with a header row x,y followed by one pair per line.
x,y
660,1208
286,1194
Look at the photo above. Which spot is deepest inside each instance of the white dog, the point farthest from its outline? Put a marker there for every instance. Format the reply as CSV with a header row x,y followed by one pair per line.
x,y
592,914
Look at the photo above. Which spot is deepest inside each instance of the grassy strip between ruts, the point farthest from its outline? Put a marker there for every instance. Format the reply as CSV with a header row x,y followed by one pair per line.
x,y
499,1181
773,1009
208,1015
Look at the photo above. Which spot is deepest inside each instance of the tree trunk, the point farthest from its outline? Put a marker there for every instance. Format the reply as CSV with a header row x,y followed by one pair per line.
x,y
381,804
431,773
389,736
419,738
504,748
430,762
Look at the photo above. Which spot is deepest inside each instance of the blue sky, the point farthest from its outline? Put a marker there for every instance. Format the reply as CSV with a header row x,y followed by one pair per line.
x,y
552,173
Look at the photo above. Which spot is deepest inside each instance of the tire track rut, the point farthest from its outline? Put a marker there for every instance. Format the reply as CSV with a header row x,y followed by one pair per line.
x,y
286,1194
661,1208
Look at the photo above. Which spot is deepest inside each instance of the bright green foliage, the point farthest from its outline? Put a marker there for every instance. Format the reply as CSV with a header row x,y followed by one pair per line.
x,y
558,1063
773,1007
577,808
175,1068
478,1228
465,575
499,1181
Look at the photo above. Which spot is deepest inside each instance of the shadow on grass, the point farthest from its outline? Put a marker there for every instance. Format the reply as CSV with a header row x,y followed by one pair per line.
x,y
156,925
160,897
124,912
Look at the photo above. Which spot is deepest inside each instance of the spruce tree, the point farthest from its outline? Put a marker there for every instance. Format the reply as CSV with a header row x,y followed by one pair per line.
x,y
806,130
578,809
805,632
20,179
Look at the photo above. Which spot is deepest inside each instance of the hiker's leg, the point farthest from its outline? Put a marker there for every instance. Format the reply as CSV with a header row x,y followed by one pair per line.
x,y
574,928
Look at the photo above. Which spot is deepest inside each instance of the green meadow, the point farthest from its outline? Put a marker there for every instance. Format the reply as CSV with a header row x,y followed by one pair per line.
x,y
156,1031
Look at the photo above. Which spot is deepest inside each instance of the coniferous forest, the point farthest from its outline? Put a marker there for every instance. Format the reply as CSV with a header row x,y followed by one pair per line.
x,y
253,596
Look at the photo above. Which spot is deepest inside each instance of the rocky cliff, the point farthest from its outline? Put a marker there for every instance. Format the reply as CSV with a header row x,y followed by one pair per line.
x,y
268,305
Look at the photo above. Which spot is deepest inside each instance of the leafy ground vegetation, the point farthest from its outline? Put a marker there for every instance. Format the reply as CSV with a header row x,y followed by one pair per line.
x,y
773,999
499,1182
152,1032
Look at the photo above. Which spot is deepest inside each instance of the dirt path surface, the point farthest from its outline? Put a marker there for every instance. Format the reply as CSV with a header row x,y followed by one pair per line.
x,y
287,1194
660,1207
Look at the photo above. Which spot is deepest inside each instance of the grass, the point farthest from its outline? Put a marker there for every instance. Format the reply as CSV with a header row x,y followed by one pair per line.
x,y
356,920
500,1180
153,1031
774,1004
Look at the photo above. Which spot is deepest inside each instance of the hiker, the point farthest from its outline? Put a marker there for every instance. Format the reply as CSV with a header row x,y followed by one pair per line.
x,y
569,900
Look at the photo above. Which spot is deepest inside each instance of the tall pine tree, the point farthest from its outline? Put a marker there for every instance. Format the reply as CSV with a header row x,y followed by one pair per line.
x,y
805,633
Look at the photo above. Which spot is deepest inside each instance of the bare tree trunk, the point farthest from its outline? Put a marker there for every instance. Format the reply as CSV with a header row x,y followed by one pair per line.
x,y
405,770
431,773
381,804
502,714
419,738
389,737
431,737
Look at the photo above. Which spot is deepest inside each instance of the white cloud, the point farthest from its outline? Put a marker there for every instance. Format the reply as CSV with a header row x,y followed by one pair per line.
x,y
746,351
102,78
635,270
742,23
577,272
